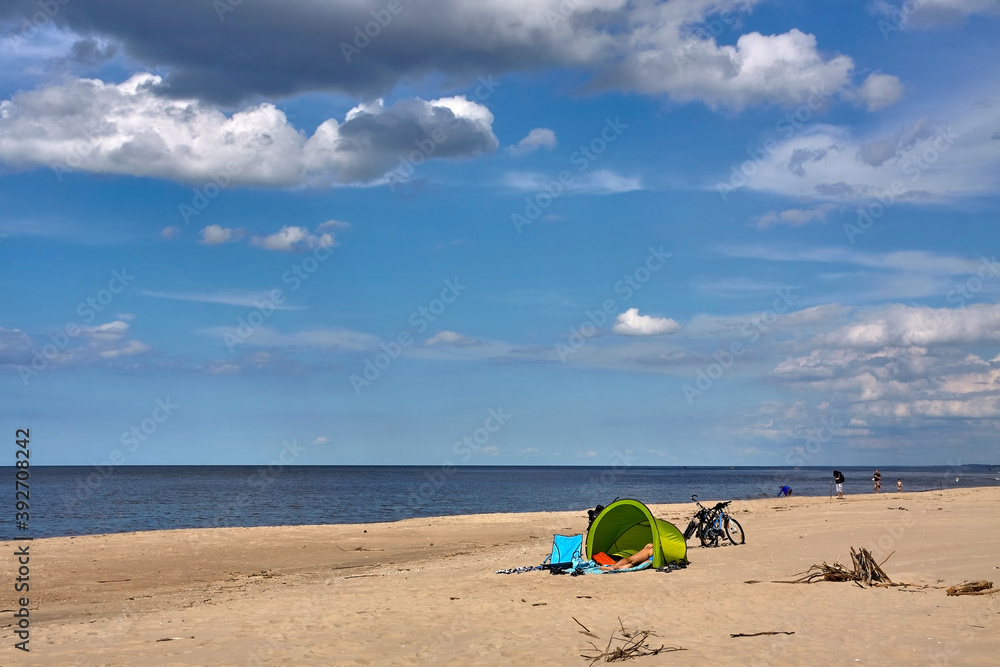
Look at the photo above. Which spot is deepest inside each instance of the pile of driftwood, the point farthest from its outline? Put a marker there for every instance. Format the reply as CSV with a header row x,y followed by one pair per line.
x,y
981,587
865,570
632,645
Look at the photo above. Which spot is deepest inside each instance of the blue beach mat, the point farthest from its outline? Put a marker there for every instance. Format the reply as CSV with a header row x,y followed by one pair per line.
x,y
592,567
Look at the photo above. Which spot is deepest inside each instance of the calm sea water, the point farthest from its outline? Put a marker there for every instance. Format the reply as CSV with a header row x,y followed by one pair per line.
x,y
84,500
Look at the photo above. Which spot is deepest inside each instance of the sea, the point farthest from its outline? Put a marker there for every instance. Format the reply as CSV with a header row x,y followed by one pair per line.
x,y
84,500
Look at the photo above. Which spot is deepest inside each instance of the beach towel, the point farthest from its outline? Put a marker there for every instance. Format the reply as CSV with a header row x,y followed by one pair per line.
x,y
592,567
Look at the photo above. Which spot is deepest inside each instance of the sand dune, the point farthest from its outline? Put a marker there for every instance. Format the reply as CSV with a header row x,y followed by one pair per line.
x,y
422,591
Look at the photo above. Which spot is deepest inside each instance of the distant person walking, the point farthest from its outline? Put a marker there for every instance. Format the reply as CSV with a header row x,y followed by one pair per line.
x,y
838,477
877,481
899,485
785,491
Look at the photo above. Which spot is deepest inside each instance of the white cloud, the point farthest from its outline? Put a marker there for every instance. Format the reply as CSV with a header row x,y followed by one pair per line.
x,y
169,233
333,224
217,235
931,13
597,182
925,162
664,57
631,323
91,345
794,217
242,298
880,91
223,369
321,440
657,48
451,338
540,137
605,182
900,325
294,239
89,125
319,338
904,260
127,350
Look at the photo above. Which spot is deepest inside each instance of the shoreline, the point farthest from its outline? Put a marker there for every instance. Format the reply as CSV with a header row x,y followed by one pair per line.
x,y
422,590
849,494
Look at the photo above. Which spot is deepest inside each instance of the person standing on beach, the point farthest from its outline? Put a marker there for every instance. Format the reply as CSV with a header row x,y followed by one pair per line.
x,y
877,481
838,477
899,485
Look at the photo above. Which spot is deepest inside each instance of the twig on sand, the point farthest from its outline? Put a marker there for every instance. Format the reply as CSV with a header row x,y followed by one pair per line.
x,y
586,629
633,645
758,634
981,587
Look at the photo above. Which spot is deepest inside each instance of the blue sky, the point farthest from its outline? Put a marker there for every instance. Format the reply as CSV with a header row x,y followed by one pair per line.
x,y
538,233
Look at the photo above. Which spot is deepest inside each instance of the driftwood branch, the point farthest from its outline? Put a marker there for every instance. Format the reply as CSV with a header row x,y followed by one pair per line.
x,y
758,634
981,587
864,570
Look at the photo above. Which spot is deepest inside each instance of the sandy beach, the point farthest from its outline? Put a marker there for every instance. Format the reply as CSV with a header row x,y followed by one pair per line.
x,y
423,591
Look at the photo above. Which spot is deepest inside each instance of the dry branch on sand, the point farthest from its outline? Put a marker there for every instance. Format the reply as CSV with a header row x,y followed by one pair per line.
x,y
981,587
866,570
633,645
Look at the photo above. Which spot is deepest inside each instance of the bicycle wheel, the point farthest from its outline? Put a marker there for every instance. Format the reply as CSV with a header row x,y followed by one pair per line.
x,y
734,531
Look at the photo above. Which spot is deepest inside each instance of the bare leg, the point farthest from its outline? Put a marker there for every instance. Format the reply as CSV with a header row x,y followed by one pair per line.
x,y
640,556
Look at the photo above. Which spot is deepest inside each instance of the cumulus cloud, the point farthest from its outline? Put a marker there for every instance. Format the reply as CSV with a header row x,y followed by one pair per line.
x,y
169,233
293,239
540,137
880,91
646,46
128,128
631,323
217,235
782,69
290,238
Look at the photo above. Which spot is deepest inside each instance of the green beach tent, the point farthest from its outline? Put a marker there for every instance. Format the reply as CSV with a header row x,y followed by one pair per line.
x,y
626,526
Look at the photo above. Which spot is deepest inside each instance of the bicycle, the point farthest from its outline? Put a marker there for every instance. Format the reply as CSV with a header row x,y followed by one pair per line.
x,y
711,525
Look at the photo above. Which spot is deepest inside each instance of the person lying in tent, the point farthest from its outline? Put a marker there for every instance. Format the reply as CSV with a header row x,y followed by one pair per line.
x,y
642,555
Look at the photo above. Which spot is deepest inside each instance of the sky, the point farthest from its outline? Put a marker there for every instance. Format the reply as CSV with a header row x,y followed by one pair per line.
x,y
546,232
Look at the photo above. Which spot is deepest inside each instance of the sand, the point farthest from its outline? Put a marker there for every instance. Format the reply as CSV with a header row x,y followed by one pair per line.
x,y
423,591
